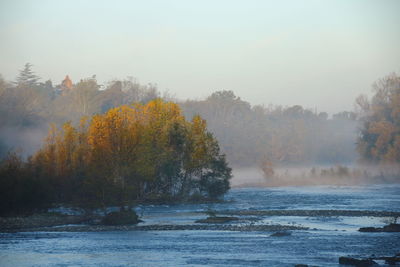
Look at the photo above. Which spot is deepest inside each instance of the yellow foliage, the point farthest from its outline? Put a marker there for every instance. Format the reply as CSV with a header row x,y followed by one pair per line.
x,y
380,137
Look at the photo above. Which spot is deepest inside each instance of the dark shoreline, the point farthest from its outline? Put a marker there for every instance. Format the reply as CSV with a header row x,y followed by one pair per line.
x,y
40,220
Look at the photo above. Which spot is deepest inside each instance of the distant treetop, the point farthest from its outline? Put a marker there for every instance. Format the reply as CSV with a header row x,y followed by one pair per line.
x,y
27,77
66,83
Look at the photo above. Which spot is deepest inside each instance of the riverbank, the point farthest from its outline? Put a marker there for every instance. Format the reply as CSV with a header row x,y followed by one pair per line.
x,y
39,220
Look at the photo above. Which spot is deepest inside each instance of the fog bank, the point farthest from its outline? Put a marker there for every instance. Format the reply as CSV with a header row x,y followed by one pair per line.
x,y
316,175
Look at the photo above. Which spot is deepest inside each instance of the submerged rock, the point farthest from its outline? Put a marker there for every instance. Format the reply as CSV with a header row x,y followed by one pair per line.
x,y
356,262
280,234
393,227
369,229
217,219
370,261
392,260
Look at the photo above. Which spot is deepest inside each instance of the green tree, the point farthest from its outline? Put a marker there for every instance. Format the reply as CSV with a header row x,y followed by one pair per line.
x,y
27,77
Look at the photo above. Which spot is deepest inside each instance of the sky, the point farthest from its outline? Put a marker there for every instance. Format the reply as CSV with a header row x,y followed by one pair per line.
x,y
319,54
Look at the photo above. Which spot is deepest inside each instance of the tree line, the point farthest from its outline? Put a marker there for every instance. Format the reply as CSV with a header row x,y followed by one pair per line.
x,y
252,135
29,105
247,134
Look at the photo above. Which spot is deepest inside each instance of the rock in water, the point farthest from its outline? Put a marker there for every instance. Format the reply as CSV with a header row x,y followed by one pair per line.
x,y
121,218
393,227
369,229
279,234
356,262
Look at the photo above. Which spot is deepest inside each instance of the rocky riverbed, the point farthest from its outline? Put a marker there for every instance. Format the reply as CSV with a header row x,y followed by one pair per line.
x,y
75,223
55,222
165,227
314,213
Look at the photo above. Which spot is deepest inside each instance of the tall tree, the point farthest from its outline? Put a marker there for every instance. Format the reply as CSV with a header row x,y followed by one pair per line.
x,y
27,77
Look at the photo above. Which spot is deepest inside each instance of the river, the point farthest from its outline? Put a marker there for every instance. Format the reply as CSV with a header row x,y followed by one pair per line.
x,y
322,244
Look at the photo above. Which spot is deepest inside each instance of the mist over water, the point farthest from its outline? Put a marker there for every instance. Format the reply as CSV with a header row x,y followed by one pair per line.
x,y
199,133
356,174
243,177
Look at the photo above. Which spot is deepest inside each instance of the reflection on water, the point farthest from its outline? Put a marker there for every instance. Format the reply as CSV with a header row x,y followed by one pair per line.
x,y
331,238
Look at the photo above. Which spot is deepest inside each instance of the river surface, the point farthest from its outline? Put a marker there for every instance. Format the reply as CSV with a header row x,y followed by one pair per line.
x,y
327,239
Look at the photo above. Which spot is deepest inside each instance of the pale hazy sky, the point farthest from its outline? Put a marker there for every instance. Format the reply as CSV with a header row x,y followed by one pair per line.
x,y
315,53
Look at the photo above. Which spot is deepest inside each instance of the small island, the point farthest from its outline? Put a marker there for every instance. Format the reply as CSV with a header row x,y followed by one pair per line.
x,y
129,155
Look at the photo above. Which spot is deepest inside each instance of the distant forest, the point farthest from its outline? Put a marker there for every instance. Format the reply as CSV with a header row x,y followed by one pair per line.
x,y
251,135
248,135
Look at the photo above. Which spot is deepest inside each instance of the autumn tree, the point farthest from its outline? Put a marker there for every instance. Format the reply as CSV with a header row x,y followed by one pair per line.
x,y
130,153
379,139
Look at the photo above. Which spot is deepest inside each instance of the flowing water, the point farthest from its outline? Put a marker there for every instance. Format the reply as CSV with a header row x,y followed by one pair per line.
x,y
327,239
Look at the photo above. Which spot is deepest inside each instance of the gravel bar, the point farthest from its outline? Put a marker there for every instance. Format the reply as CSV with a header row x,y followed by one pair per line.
x,y
313,213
